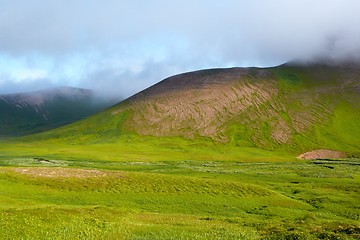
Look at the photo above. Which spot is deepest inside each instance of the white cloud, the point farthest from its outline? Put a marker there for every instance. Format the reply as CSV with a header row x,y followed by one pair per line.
x,y
30,75
133,44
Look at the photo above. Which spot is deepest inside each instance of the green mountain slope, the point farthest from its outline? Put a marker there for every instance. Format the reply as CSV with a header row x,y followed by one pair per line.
x,y
290,107
25,113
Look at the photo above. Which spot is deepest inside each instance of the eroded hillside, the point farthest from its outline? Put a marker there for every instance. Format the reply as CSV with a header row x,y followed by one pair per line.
x,y
198,104
287,105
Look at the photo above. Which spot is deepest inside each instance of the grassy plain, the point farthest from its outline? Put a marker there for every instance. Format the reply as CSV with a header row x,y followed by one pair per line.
x,y
172,188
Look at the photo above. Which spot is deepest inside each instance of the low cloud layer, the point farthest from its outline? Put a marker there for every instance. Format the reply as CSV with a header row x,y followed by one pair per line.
x,y
121,47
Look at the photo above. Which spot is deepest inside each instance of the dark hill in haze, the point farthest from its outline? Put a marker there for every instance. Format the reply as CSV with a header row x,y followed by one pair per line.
x,y
25,113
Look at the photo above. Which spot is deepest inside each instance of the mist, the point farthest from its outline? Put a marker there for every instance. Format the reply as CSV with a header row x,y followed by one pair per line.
x,y
118,48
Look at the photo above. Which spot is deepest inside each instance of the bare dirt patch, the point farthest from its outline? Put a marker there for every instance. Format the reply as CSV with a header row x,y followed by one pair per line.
x,y
322,154
63,172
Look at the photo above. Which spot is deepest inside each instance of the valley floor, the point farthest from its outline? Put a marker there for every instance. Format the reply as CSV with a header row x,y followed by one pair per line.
x,y
59,195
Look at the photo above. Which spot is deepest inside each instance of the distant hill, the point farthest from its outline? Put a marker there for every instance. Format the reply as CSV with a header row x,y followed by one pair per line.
x,y
292,107
25,113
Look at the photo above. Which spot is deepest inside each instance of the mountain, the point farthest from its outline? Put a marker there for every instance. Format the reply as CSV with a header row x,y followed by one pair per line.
x,y
291,107
24,113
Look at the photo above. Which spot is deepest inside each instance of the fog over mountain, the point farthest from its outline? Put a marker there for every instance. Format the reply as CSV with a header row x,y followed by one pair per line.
x,y
31,112
121,47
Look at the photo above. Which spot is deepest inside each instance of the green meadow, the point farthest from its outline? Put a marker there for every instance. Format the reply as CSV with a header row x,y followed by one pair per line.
x,y
172,188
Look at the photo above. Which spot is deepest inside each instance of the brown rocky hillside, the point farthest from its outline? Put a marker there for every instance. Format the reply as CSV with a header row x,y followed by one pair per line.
x,y
263,107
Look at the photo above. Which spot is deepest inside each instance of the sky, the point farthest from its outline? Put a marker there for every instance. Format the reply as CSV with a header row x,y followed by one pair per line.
x,y
119,47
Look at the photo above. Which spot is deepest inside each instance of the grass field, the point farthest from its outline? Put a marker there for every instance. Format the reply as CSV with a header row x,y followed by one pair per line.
x,y
173,189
